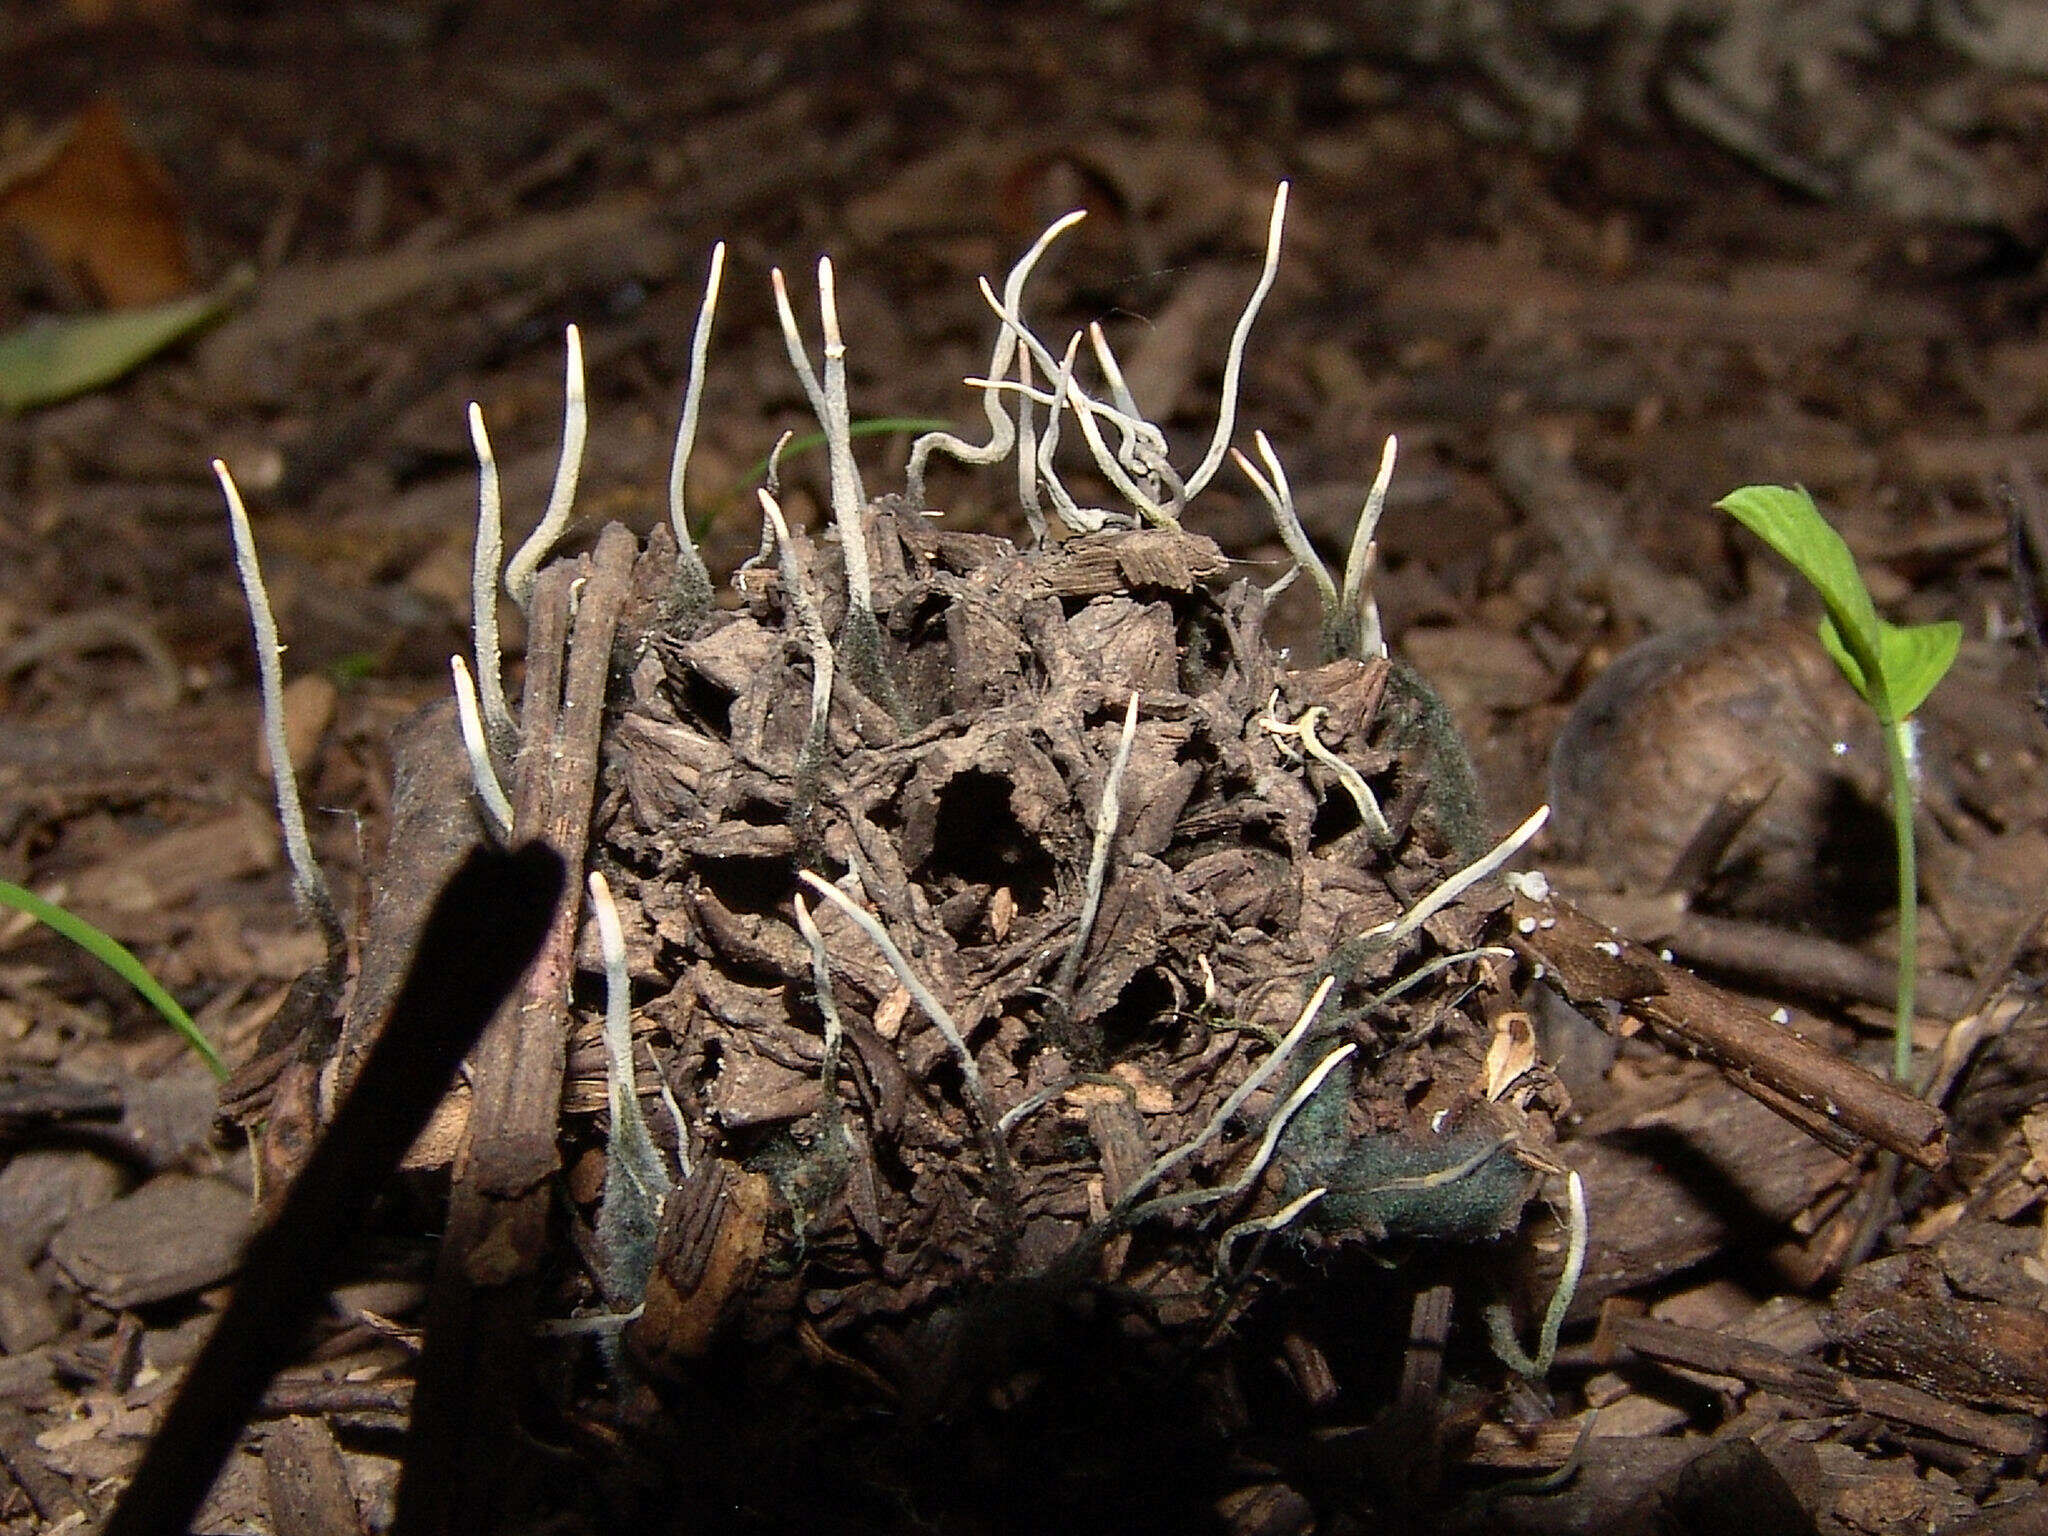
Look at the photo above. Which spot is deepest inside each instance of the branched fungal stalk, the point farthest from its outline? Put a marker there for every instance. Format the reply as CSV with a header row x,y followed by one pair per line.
x,y
1262,1226
1276,1126
1361,612
693,582
1106,814
1233,362
1351,619
829,405
1148,444
488,554
1454,887
524,567
489,792
1279,501
1128,1202
1002,432
636,1179
1139,468
1085,411
828,1009
1282,582
862,636
1304,731
1070,512
1500,1324
308,882
1119,387
796,589
1143,450
978,1102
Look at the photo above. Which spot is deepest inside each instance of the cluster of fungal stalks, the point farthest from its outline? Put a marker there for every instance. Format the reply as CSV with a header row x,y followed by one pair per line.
x,y
1008,922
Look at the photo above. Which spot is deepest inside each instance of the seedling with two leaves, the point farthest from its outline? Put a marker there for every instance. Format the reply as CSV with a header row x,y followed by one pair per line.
x,y
1893,667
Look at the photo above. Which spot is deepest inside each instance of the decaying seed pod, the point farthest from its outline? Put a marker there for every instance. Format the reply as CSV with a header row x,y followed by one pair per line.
x,y
1007,936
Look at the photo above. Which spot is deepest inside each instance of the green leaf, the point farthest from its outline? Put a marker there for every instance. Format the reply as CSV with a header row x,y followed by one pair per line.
x,y
1788,521
1894,668
1852,669
105,948
46,361
1914,659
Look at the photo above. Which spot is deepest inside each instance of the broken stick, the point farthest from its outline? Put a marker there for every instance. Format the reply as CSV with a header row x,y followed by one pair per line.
x,y
1829,1097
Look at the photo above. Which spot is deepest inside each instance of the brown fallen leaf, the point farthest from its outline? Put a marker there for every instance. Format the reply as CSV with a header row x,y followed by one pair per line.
x,y
103,212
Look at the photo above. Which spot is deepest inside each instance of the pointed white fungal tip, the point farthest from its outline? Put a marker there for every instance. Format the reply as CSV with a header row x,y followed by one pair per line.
x,y
484,777
611,937
828,308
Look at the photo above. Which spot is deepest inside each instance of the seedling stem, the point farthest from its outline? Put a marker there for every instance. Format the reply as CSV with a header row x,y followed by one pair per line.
x,y
1893,667
1900,759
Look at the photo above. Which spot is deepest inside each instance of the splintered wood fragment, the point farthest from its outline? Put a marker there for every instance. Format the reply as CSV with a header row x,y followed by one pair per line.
x,y
1721,1354
1541,1447
306,1482
1101,563
1817,1090
2025,1516
1899,1316
297,1397
21,1459
1429,1334
475,1373
512,1144
712,1237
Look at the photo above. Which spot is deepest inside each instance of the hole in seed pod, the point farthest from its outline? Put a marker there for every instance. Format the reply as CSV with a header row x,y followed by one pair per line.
x,y
1146,1004
1205,653
1337,815
757,886
980,842
698,697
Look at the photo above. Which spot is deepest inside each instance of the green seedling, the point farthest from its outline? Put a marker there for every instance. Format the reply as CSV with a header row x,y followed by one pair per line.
x,y
120,960
1893,667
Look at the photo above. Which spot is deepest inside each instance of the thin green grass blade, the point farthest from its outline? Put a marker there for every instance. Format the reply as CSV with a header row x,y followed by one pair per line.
x,y
876,426
118,959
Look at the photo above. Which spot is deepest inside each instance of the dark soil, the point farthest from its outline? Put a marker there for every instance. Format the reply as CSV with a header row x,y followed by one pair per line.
x,y
1582,336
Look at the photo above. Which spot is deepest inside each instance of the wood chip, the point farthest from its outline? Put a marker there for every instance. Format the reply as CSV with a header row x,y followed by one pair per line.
x,y
308,1486
175,1235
